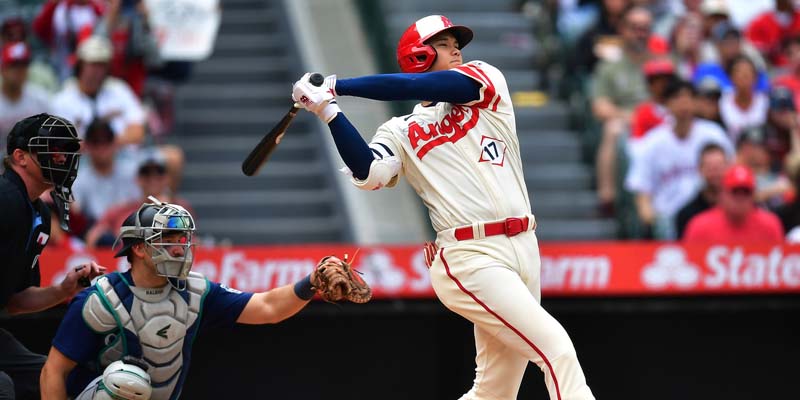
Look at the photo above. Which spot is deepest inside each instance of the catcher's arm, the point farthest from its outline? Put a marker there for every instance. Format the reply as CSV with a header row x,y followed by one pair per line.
x,y
53,379
272,306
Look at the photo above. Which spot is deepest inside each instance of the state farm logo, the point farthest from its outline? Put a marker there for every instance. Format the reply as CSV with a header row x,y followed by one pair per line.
x,y
723,268
734,267
452,128
380,268
383,272
575,272
670,267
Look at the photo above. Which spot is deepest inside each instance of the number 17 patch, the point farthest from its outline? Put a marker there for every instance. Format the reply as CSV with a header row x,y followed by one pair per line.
x,y
493,151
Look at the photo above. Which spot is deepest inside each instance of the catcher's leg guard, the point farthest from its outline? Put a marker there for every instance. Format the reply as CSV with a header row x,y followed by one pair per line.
x,y
119,381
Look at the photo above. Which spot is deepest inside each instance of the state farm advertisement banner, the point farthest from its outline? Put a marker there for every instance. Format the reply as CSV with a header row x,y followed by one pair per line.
x,y
568,269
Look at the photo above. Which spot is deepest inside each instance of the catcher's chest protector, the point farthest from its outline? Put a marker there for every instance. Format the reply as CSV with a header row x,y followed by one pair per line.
x,y
156,325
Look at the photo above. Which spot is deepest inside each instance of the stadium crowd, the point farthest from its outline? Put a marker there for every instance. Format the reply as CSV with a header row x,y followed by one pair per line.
x,y
693,114
96,63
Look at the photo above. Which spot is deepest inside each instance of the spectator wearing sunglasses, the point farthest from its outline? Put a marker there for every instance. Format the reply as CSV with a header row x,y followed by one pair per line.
x,y
736,219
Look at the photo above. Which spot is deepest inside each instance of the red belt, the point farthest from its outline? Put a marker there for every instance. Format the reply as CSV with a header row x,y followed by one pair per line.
x,y
509,227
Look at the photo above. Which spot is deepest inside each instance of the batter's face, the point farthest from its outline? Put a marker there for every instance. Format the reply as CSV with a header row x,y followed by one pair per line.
x,y
448,54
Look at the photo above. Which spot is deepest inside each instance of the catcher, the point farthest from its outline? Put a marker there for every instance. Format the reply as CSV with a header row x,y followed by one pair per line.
x,y
130,335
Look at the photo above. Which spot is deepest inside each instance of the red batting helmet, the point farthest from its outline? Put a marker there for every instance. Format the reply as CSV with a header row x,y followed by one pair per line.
x,y
414,55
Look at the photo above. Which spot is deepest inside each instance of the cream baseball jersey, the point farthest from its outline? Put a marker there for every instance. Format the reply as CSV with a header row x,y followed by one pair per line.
x,y
462,159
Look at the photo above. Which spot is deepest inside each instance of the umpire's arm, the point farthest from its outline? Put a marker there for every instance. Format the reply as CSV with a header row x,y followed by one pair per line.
x,y
53,380
272,306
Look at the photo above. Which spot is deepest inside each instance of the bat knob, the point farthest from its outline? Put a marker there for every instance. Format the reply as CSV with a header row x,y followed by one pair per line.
x,y
316,79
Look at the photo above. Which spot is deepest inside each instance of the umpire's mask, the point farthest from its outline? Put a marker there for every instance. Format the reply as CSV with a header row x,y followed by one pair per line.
x,y
56,147
161,226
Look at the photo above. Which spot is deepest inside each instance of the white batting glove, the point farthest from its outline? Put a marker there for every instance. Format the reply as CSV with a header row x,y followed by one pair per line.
x,y
316,99
330,83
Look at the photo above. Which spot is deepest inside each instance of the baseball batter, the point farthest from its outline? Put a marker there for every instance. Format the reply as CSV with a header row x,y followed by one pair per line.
x,y
460,152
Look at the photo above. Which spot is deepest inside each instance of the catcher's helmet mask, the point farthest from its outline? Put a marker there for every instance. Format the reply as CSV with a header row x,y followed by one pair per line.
x,y
414,55
149,225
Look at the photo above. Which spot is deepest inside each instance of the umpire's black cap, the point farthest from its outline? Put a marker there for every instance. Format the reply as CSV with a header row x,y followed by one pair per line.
x,y
22,131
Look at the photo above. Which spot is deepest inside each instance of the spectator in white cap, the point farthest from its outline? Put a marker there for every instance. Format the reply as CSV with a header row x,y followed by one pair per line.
x,y
18,98
94,95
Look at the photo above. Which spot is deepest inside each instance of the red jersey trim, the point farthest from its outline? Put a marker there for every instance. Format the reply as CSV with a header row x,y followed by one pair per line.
x,y
488,91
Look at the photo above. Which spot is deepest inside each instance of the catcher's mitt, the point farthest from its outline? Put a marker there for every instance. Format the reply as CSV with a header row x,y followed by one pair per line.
x,y
335,280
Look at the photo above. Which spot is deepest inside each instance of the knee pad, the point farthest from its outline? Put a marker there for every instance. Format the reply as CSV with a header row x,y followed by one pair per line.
x,y
124,381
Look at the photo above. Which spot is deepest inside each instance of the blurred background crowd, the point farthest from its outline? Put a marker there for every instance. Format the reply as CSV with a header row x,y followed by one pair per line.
x,y
97,63
690,109
687,108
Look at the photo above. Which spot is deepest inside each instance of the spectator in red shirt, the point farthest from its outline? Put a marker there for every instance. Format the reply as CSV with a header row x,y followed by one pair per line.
x,y
736,219
647,115
60,24
768,31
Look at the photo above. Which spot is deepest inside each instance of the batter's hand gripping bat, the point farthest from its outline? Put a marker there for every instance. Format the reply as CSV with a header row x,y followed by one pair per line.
x,y
259,155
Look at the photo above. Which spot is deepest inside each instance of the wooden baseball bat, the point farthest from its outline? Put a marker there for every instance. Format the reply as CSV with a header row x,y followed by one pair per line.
x,y
260,154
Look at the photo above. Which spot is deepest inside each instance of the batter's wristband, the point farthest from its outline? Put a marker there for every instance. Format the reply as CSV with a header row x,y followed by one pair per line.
x,y
303,288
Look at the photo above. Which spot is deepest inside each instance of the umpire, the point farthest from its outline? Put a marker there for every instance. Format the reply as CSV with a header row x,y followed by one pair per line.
x,y
42,154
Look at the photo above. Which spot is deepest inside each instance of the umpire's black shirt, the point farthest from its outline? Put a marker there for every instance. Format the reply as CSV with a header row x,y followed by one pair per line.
x,y
24,231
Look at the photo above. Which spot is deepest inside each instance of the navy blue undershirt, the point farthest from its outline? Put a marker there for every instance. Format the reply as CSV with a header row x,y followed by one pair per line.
x,y
440,86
